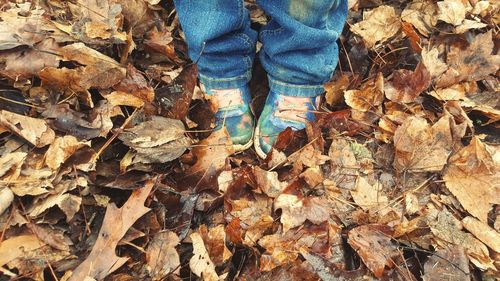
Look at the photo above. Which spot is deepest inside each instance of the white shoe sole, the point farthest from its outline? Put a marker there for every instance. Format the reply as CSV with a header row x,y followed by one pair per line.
x,y
256,143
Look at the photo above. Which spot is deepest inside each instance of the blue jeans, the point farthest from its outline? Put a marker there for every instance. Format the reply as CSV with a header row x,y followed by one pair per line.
x,y
299,49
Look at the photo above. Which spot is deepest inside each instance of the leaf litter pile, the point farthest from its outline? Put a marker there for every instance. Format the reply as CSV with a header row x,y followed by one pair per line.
x,y
109,169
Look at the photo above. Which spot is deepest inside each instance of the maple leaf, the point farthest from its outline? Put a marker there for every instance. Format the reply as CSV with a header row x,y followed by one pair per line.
x,y
472,176
471,64
161,255
406,85
296,210
421,147
373,244
378,25
368,97
422,15
103,260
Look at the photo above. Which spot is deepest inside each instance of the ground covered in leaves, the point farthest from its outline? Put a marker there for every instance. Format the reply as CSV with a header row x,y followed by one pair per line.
x,y
108,169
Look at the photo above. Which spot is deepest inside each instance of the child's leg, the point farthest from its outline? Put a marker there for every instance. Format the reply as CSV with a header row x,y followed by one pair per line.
x,y
300,54
220,39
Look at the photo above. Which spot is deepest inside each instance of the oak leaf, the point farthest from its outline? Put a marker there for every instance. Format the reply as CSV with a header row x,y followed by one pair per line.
x,y
103,260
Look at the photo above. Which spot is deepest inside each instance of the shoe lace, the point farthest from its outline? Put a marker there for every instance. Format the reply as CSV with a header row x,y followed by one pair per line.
x,y
226,98
293,108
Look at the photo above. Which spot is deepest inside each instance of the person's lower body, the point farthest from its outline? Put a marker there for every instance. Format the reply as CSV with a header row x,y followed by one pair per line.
x,y
299,53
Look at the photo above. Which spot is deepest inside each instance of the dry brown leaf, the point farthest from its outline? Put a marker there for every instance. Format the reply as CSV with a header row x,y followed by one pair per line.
x,y
406,85
98,20
136,85
156,141
26,63
161,42
254,217
451,11
10,164
268,182
51,236
446,230
34,130
138,15
61,149
103,260
334,91
98,71
284,248
368,97
117,98
68,203
447,264
6,198
432,62
473,175
378,25
17,30
369,196
161,256
211,154
296,210
215,243
373,244
18,246
421,147
422,15
468,25
201,264
483,232
471,64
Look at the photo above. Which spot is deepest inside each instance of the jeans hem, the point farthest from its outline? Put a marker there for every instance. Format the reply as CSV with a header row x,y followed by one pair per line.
x,y
225,83
293,90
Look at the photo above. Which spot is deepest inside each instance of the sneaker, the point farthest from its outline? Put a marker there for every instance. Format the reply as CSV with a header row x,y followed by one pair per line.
x,y
280,112
232,111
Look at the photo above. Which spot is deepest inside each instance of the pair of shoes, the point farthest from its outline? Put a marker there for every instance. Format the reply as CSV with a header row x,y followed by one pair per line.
x,y
232,111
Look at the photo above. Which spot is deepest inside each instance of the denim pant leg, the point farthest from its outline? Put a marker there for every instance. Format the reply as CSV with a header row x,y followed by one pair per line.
x,y
220,39
299,50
